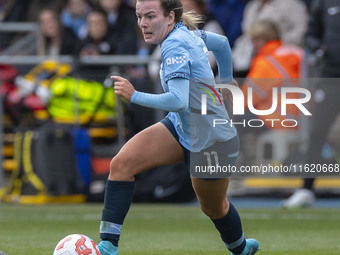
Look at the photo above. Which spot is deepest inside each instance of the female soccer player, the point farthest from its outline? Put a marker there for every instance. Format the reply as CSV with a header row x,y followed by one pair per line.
x,y
185,134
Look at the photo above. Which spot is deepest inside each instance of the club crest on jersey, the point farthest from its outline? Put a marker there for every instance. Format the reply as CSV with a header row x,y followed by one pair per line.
x,y
175,60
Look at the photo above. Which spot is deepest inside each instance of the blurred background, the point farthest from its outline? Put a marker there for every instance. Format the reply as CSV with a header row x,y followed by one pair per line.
x,y
61,123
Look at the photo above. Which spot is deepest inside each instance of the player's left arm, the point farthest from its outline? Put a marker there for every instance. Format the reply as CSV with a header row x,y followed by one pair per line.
x,y
219,45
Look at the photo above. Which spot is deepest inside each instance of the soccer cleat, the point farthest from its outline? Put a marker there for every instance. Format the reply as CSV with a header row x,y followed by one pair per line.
x,y
300,199
107,248
252,246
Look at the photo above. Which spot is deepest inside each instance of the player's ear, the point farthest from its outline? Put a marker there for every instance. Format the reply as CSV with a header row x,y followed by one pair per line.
x,y
171,17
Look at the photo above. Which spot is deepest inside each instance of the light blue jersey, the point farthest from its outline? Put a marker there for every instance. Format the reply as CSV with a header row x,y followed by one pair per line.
x,y
185,55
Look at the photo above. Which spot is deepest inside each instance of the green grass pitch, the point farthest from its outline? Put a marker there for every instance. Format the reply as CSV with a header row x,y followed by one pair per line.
x,y
169,229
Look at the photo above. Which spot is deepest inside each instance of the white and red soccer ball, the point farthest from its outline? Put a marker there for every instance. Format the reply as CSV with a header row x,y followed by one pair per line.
x,y
76,244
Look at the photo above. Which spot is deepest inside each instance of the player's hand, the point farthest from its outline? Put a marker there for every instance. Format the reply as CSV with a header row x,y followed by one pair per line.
x,y
123,87
226,94
228,97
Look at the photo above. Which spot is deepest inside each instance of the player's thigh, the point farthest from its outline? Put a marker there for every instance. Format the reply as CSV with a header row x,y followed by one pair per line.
x,y
152,147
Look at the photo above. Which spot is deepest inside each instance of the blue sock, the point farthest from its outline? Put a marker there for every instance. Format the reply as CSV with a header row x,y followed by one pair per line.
x,y
230,229
117,201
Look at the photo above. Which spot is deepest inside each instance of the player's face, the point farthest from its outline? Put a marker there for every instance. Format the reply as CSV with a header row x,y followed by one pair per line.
x,y
151,20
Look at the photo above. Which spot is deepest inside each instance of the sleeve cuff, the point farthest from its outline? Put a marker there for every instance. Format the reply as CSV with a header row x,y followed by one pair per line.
x,y
177,75
134,96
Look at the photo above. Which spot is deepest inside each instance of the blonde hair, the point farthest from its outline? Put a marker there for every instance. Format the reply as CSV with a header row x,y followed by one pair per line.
x,y
265,29
191,19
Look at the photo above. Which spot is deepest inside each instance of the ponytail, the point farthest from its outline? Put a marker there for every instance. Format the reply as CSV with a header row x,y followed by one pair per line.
x,y
191,19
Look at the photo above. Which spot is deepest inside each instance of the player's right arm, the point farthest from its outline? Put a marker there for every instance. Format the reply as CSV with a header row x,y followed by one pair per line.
x,y
175,100
176,61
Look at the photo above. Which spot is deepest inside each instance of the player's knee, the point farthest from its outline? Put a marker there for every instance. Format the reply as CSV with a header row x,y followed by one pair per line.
x,y
119,169
213,211
114,165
